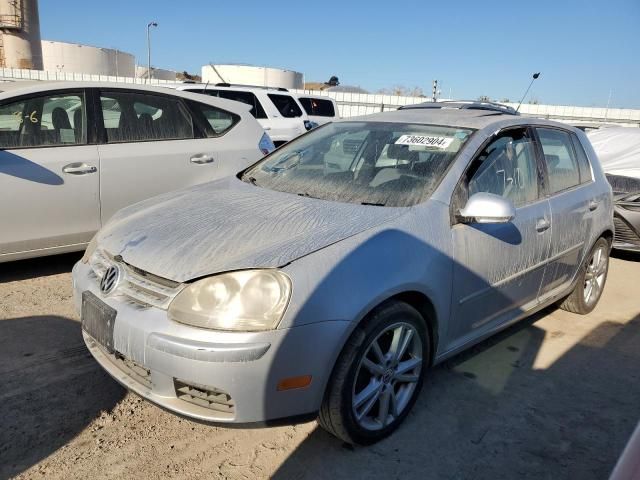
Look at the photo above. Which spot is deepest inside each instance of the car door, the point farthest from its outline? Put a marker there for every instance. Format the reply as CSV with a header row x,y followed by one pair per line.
x,y
150,146
572,197
498,268
49,178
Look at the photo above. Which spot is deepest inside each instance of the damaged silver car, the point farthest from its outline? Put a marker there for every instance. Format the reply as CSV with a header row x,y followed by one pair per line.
x,y
326,279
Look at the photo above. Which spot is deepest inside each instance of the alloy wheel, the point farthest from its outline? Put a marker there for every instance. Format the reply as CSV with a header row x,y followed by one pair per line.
x,y
387,376
595,275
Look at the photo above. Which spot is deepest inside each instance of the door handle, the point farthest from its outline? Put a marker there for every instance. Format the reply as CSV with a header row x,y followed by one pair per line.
x,y
267,128
201,159
593,204
542,224
79,168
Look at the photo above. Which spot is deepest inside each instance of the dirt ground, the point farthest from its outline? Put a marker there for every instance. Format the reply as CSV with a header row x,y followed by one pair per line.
x,y
556,396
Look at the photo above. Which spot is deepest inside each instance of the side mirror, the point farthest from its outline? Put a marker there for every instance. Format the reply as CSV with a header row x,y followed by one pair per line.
x,y
485,207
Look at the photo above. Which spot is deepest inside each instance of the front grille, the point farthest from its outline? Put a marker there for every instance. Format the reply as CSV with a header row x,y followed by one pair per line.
x,y
139,287
624,233
136,371
207,397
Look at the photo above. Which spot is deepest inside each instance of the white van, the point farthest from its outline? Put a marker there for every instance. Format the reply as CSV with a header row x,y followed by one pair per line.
x,y
277,110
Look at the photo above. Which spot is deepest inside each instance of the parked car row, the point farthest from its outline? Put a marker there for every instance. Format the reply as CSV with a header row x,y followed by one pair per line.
x,y
325,279
283,115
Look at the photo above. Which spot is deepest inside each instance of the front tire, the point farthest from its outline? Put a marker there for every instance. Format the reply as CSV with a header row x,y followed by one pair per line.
x,y
591,280
378,375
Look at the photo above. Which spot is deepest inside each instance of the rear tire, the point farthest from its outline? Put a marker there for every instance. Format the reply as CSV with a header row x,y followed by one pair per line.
x,y
591,280
378,375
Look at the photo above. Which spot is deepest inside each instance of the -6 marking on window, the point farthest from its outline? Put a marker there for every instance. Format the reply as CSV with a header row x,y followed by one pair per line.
x,y
31,117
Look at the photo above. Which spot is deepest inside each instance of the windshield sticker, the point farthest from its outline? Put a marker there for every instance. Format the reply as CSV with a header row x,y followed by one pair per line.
x,y
425,141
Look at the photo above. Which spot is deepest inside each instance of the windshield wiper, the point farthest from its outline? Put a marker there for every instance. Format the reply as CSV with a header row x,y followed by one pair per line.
x,y
251,180
373,204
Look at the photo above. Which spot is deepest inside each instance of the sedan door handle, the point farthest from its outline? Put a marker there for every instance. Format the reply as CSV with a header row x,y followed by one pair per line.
x,y
542,224
593,204
79,168
201,159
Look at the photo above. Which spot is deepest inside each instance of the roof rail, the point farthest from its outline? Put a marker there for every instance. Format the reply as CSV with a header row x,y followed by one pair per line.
x,y
465,105
225,84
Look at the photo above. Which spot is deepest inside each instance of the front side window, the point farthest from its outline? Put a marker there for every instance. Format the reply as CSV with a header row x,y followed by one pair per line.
x,y
507,167
50,120
140,117
213,121
286,105
562,165
317,106
371,163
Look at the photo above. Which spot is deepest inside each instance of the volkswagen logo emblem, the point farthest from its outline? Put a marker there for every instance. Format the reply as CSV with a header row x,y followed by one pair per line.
x,y
110,279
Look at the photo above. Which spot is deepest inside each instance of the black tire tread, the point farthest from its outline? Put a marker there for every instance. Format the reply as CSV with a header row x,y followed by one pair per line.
x,y
574,303
330,416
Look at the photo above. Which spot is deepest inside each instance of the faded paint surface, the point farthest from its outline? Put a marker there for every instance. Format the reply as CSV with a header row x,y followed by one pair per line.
x,y
230,225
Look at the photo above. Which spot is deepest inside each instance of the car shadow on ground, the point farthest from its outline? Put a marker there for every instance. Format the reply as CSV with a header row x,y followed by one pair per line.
x,y
38,267
626,255
51,389
491,412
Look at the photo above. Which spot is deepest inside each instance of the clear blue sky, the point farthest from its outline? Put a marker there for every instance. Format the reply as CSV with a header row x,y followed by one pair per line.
x,y
583,48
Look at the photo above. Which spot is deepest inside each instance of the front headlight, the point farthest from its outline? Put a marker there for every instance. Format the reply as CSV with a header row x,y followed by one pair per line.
x,y
248,300
90,249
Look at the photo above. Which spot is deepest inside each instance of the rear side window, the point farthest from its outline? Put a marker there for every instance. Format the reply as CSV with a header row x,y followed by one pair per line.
x,y
562,165
213,121
318,107
245,97
44,121
286,105
583,161
140,117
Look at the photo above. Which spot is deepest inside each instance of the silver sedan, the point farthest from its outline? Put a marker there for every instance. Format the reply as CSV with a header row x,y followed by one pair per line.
x,y
326,279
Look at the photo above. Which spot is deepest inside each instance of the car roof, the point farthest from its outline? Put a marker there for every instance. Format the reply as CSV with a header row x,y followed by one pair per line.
x,y
461,118
218,86
465,105
12,89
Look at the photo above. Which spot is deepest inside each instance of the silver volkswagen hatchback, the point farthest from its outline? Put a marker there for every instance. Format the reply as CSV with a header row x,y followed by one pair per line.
x,y
327,278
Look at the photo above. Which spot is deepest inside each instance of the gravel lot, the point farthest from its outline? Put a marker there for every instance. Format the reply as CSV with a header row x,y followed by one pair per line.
x,y
554,397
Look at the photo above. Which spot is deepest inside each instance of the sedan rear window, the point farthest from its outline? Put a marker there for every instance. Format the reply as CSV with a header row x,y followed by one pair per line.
x,y
370,163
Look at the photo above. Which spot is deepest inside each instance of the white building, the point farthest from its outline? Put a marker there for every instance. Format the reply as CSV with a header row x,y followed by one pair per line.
x,y
252,75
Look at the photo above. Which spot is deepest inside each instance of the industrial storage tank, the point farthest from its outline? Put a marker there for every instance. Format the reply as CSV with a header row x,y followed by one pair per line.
x,y
77,58
20,34
156,73
252,75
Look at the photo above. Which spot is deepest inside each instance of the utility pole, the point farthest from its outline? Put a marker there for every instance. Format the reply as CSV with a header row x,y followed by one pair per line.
x,y
149,25
434,96
606,112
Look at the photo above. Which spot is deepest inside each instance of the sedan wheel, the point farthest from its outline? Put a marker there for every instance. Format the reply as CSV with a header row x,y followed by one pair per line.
x,y
387,376
591,280
595,275
378,375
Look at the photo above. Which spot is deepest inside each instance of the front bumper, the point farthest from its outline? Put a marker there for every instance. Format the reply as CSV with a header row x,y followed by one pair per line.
x,y
209,375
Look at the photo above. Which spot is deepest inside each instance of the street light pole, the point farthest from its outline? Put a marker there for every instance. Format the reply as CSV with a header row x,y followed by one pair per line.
x,y
149,25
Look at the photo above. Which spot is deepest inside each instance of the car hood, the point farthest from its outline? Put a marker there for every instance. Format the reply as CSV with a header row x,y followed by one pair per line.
x,y
230,225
